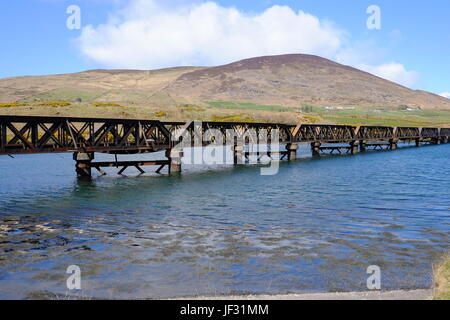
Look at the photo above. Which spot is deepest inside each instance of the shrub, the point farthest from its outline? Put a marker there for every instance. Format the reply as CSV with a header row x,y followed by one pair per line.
x,y
234,118
311,119
54,104
9,104
106,104
189,107
13,104
307,108
43,104
160,114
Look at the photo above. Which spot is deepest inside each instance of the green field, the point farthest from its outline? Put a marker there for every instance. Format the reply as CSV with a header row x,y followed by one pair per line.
x,y
380,116
247,106
384,117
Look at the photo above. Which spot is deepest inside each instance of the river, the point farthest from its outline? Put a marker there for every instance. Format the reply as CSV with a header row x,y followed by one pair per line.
x,y
314,227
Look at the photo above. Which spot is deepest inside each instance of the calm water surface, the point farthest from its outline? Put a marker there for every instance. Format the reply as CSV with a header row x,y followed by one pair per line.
x,y
316,226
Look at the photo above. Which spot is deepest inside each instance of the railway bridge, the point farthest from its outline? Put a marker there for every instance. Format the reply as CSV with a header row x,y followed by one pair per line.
x,y
86,136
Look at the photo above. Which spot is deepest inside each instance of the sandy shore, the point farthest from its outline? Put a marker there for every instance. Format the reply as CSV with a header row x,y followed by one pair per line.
x,y
374,295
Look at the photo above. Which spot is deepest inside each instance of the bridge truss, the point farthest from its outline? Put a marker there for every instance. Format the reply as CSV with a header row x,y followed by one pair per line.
x,y
24,135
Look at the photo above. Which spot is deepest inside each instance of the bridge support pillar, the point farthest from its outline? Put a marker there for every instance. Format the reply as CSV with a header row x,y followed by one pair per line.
x,y
418,142
354,147
238,154
315,148
437,141
362,146
175,157
444,140
83,164
292,151
393,144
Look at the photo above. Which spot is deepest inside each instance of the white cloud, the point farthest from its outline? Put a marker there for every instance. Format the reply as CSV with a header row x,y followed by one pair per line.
x,y
366,56
149,35
395,72
445,95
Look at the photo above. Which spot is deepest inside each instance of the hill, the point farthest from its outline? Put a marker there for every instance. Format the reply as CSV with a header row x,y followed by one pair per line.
x,y
274,87
299,79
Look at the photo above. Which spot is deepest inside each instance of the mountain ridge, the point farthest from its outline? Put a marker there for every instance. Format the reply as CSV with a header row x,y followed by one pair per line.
x,y
289,80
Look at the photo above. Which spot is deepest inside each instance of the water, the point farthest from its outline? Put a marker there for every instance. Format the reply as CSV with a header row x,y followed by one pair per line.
x,y
314,227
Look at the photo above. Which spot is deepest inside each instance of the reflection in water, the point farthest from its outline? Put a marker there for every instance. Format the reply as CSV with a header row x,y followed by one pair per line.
x,y
315,226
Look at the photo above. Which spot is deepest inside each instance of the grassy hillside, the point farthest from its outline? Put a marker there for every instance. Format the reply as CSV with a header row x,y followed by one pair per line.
x,y
230,111
385,117
287,89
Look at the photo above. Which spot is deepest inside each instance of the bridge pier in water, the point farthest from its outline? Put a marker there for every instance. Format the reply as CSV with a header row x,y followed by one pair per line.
x,y
393,144
362,146
291,149
418,142
315,148
238,154
354,147
83,166
175,157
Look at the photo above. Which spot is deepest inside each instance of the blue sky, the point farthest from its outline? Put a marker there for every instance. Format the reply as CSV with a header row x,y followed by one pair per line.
x,y
412,46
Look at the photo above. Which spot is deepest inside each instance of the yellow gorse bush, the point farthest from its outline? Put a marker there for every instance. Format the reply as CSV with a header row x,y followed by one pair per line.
x,y
7,105
160,114
54,104
189,107
311,119
234,118
105,104
41,104
13,104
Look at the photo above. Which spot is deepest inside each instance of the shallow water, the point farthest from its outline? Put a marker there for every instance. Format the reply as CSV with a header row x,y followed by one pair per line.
x,y
315,226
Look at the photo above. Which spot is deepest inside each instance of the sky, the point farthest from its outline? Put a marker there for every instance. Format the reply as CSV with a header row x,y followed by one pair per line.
x,y
404,41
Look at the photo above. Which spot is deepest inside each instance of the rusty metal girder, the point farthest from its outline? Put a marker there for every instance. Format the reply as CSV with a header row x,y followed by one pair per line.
x,y
375,133
430,133
43,135
221,132
445,132
20,134
405,133
325,133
